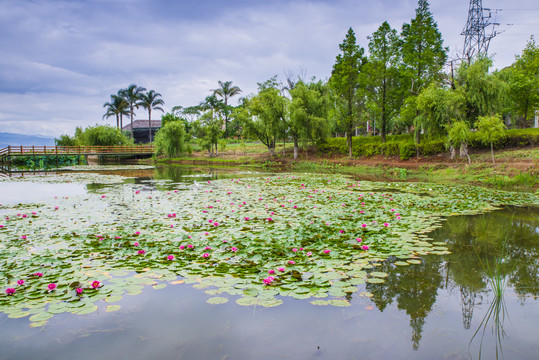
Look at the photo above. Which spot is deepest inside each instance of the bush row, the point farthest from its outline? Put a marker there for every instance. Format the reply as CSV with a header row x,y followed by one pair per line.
x,y
405,147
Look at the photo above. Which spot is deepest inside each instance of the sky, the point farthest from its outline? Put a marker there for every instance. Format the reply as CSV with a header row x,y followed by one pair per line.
x,y
60,60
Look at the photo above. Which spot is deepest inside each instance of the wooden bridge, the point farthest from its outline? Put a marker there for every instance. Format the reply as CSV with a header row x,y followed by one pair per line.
x,y
8,153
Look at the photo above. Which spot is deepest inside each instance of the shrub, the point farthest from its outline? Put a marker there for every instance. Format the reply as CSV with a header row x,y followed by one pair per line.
x,y
407,150
170,140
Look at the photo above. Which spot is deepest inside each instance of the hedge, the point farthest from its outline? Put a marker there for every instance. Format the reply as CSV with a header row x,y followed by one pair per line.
x,y
405,147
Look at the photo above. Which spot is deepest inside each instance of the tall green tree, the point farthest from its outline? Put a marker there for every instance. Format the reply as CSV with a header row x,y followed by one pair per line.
x,y
117,106
524,84
225,92
423,53
267,111
384,83
345,82
485,93
438,107
208,126
150,101
133,97
308,113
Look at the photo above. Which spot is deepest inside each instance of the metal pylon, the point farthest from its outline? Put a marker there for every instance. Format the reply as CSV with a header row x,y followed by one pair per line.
x,y
476,38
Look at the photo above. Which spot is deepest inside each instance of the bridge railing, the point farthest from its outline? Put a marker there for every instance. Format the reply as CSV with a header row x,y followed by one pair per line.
x,y
76,150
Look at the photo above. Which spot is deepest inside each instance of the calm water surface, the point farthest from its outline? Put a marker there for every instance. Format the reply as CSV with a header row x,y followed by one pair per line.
x,y
426,311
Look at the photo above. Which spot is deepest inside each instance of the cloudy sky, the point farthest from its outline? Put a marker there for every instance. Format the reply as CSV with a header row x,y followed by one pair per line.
x,y
61,59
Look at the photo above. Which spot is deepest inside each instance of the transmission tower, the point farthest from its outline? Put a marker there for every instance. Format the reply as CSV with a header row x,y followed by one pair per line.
x,y
476,40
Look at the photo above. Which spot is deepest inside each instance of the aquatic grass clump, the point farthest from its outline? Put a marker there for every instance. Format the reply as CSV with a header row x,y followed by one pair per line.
x,y
125,240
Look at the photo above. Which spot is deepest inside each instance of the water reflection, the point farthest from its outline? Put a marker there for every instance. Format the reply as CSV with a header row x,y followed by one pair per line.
x,y
473,240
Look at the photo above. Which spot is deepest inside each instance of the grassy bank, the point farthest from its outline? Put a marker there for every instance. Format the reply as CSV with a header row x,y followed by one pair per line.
x,y
515,169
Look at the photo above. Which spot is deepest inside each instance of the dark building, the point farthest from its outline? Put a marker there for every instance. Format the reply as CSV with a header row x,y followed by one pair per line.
x,y
140,130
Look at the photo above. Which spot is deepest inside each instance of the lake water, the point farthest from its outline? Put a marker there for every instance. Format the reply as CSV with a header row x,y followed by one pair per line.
x,y
435,310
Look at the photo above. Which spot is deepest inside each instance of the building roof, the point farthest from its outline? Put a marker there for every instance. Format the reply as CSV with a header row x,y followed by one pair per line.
x,y
138,124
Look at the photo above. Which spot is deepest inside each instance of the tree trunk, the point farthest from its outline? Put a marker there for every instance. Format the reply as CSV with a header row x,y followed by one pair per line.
x,y
349,140
383,132
284,146
150,123
132,123
417,139
117,121
296,148
216,151
492,152
451,152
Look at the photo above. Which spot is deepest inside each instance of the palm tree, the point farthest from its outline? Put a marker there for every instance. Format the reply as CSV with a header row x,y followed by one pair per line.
x,y
150,101
116,107
132,95
226,91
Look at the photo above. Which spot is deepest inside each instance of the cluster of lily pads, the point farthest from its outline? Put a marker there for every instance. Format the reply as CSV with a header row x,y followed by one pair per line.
x,y
257,238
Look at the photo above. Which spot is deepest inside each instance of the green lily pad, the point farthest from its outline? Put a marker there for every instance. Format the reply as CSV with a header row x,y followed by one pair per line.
x,y
112,308
217,300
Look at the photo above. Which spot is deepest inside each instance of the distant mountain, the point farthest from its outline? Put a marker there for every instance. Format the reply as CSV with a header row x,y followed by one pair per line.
x,y
25,140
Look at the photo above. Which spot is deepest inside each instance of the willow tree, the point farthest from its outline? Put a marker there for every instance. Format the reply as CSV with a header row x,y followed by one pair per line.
x,y
308,113
345,82
491,129
267,111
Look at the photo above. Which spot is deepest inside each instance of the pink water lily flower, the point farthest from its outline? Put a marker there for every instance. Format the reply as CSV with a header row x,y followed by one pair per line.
x,y
190,246
365,247
95,284
10,291
270,219
327,251
341,231
23,237
141,252
52,286
137,232
246,218
20,282
136,243
79,291
38,274
170,257
281,269
271,271
291,262
386,224
205,255
359,239
364,225
294,249
269,280
309,253
233,249
182,247
207,248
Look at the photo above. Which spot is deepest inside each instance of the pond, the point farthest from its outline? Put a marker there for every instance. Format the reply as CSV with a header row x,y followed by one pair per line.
x,y
198,263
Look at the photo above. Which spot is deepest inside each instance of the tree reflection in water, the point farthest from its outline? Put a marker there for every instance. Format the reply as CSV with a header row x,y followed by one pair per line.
x,y
471,239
